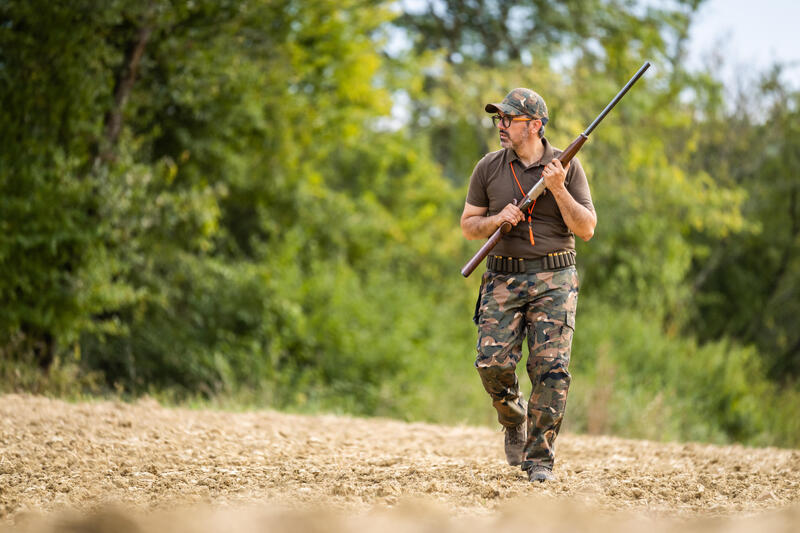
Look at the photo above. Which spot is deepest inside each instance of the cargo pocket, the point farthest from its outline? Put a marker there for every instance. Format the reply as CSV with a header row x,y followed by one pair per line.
x,y
477,315
567,331
569,319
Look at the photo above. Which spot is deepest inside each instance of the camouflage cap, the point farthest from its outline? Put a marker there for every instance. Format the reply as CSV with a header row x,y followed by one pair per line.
x,y
521,101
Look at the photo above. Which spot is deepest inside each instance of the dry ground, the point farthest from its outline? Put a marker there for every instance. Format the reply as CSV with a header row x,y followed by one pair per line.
x,y
56,456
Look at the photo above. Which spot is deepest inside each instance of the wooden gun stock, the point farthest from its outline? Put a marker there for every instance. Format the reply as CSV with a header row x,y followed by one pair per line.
x,y
565,157
485,249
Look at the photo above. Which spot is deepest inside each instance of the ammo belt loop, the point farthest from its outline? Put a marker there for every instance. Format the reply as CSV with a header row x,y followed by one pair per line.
x,y
516,265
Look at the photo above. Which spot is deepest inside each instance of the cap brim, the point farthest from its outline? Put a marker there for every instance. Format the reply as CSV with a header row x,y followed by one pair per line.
x,y
502,108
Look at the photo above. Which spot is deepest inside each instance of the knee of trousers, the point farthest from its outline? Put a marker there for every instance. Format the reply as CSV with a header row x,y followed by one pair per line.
x,y
548,399
550,372
500,381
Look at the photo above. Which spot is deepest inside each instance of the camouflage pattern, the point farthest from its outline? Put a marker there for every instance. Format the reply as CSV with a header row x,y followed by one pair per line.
x,y
521,101
542,307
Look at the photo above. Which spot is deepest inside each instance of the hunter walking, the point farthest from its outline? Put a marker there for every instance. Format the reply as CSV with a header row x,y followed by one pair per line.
x,y
530,288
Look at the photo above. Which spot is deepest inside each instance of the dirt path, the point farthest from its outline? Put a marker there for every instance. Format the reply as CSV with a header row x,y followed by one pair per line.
x,y
55,455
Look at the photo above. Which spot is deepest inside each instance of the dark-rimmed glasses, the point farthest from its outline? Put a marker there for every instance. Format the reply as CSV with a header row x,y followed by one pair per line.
x,y
508,119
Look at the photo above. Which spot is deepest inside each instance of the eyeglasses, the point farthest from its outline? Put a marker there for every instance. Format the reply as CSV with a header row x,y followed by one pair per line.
x,y
507,120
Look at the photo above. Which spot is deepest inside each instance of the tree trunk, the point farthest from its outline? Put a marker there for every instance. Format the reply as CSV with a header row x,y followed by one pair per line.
x,y
124,85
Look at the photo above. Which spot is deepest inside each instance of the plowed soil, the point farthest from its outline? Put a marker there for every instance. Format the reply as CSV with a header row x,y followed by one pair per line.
x,y
58,458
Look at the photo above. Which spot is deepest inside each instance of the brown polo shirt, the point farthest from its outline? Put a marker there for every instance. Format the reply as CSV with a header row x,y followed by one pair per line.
x,y
492,185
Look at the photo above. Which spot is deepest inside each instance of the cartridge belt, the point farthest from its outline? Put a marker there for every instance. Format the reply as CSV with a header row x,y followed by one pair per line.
x,y
518,265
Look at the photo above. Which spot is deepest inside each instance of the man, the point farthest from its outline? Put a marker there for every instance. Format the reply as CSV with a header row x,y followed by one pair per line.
x,y
530,287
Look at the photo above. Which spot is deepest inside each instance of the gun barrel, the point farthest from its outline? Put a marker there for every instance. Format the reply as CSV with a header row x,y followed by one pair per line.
x,y
617,98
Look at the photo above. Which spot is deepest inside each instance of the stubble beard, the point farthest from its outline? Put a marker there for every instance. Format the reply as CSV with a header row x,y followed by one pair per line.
x,y
506,142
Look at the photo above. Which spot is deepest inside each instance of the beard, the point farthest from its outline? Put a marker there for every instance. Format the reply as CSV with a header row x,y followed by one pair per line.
x,y
507,142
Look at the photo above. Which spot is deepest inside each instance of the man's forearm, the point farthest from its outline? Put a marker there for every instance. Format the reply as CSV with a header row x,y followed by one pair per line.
x,y
580,220
479,227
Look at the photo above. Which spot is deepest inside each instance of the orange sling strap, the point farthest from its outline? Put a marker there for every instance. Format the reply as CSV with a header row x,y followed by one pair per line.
x,y
530,209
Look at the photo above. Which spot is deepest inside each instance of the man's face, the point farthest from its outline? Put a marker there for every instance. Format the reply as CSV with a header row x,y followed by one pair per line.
x,y
517,132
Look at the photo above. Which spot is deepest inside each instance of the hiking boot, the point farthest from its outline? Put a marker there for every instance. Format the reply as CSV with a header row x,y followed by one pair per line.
x,y
540,473
515,443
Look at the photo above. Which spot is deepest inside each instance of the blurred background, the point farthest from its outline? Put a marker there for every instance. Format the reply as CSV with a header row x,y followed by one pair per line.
x,y
252,204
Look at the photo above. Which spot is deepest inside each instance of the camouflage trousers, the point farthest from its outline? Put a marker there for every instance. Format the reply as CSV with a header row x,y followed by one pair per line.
x,y
542,307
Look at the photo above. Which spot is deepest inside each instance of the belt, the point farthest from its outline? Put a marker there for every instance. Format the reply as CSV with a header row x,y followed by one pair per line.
x,y
518,265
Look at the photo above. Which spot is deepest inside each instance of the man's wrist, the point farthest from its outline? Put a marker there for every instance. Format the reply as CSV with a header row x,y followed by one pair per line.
x,y
559,190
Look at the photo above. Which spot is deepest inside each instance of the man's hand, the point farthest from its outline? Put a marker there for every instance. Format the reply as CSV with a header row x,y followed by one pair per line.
x,y
511,214
554,175
476,225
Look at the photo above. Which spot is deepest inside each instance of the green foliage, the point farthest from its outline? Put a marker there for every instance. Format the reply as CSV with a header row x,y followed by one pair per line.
x,y
633,380
53,87
276,220
748,286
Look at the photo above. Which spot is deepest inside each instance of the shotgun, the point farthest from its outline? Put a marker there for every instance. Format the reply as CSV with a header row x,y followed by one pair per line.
x,y
565,157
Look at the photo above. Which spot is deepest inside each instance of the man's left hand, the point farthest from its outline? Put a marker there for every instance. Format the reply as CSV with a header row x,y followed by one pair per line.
x,y
554,175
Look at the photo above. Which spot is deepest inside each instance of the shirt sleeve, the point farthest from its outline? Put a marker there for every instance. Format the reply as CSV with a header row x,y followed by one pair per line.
x,y
578,185
476,195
